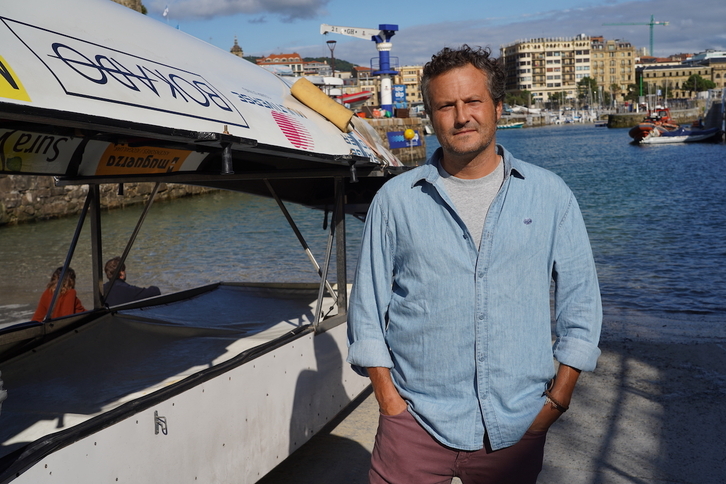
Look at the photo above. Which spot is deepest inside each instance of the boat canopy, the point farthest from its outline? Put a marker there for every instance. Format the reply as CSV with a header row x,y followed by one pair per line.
x,y
86,102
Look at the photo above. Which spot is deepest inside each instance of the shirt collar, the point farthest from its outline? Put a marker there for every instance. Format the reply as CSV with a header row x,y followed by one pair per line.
x,y
430,172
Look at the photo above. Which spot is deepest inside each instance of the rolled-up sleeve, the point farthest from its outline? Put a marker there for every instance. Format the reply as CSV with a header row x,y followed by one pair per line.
x,y
371,294
578,308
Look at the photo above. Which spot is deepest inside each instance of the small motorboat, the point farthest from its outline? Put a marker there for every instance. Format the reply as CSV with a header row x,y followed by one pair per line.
x,y
681,135
510,126
659,119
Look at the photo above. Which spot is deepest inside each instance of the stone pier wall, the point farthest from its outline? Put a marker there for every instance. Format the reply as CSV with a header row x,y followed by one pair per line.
x,y
31,198
409,156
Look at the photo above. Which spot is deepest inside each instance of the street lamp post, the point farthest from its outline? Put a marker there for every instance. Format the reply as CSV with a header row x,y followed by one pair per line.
x,y
331,46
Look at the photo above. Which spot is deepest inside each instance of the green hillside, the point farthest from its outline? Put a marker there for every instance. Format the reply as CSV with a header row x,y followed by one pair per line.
x,y
340,64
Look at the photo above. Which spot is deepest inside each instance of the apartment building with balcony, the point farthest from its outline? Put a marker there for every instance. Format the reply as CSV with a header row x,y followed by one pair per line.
x,y
547,66
410,76
612,64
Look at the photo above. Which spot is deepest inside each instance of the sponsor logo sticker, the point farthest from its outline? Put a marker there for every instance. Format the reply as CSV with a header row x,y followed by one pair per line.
x,y
30,152
293,130
10,85
140,160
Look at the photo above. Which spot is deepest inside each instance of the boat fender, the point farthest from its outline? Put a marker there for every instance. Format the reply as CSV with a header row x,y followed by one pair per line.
x,y
3,393
310,95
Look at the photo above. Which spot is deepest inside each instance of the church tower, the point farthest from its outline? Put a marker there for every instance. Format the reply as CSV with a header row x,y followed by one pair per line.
x,y
236,49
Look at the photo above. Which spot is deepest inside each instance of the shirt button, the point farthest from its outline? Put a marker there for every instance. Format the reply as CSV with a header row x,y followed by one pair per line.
x,y
481,317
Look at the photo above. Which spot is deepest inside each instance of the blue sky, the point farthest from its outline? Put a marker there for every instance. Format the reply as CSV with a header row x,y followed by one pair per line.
x,y
283,26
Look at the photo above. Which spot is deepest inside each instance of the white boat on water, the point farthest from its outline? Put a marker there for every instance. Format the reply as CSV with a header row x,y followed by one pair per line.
x,y
680,135
510,125
214,384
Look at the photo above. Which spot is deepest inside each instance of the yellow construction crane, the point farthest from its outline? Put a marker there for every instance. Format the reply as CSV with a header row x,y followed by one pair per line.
x,y
651,23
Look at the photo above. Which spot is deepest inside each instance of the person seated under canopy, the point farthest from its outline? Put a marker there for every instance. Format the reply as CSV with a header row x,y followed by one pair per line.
x,y
123,292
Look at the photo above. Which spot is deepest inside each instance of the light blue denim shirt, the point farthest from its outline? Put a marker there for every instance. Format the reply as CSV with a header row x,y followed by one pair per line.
x,y
466,332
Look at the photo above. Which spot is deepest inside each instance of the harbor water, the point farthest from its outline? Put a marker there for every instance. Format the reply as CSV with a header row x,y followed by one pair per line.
x,y
656,216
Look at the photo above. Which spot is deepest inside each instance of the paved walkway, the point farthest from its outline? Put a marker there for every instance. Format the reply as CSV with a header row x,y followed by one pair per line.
x,y
651,413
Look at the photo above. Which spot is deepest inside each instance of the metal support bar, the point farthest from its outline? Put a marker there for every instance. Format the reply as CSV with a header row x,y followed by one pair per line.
x,y
326,266
299,236
69,256
132,239
340,242
96,246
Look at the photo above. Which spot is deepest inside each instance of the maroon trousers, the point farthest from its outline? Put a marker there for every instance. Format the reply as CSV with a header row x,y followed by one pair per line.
x,y
404,453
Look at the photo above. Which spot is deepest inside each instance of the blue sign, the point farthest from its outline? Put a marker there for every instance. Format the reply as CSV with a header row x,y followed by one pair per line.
x,y
396,140
399,95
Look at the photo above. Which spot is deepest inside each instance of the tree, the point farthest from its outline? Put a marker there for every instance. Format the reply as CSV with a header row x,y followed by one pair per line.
x,y
520,98
632,94
615,90
697,83
587,89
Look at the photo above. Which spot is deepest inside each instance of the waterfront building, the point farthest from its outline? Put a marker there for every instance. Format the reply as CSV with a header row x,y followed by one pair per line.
x,y
656,61
365,81
547,66
292,61
612,65
318,68
410,76
671,77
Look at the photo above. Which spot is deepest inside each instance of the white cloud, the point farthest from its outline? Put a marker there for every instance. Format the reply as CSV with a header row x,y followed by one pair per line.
x,y
691,30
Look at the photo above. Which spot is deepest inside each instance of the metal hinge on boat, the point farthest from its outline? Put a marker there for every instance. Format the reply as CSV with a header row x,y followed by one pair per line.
x,y
159,424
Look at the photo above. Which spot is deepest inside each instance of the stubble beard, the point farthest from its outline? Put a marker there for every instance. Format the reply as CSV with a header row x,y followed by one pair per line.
x,y
485,138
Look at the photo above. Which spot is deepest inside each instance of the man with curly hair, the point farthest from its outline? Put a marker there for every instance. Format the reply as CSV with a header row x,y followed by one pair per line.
x,y
450,310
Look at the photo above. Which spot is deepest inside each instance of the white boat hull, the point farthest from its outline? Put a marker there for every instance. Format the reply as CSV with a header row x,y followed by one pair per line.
x,y
231,429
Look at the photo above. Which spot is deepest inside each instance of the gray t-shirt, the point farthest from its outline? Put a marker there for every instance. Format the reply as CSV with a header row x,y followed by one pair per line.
x,y
472,198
